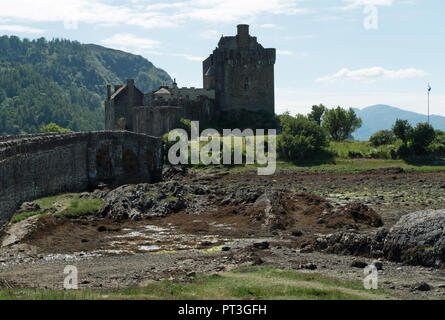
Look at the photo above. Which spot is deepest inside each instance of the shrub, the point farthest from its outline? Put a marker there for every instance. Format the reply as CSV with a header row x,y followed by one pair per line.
x,y
355,155
421,137
402,130
382,137
52,127
301,139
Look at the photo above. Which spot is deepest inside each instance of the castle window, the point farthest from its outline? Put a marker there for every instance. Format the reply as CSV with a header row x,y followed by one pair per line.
x,y
246,84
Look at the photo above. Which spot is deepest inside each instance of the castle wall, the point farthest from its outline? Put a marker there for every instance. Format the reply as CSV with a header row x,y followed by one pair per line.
x,y
36,166
121,104
157,120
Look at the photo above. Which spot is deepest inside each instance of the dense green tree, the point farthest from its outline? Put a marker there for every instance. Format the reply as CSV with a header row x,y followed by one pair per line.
x,y
421,137
317,113
52,127
341,123
301,138
3,95
64,82
402,130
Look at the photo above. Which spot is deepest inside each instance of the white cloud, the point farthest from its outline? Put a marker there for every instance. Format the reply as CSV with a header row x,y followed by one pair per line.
x,y
210,34
362,3
130,42
188,57
138,13
285,52
375,73
20,29
268,25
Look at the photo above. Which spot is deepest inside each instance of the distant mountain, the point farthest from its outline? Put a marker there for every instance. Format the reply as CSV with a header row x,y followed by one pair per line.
x,y
383,117
64,82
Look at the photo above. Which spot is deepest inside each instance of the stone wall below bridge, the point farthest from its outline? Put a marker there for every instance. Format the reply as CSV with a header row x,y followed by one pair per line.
x,y
35,166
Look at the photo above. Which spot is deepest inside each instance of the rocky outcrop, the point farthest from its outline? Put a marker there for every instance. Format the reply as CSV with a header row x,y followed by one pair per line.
x,y
140,201
352,243
418,238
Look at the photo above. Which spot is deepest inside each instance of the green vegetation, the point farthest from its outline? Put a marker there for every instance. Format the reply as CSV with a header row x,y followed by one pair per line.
x,y
25,215
352,149
121,124
68,205
382,137
52,127
259,283
301,139
79,207
63,82
186,125
419,139
340,124
316,115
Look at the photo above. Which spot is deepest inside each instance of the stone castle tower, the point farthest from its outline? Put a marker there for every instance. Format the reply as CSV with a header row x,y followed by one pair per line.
x,y
241,72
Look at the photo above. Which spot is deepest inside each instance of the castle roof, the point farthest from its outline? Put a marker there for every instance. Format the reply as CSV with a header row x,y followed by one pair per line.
x,y
211,71
162,91
122,89
118,91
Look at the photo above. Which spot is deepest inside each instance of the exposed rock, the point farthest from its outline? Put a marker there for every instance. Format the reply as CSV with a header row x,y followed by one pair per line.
x,y
352,216
418,238
16,232
359,264
378,264
135,202
297,233
345,243
29,207
422,286
261,245
308,266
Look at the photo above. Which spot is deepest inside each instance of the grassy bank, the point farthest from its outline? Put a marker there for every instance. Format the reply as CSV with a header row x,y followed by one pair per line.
x,y
262,283
68,205
339,165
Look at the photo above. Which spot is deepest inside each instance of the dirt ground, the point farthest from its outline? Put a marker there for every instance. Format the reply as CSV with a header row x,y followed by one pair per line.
x,y
225,225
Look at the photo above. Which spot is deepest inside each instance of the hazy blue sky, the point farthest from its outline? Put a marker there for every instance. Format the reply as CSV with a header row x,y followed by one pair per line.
x,y
325,52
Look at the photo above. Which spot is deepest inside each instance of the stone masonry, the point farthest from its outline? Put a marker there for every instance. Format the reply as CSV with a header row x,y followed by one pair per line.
x,y
35,166
239,74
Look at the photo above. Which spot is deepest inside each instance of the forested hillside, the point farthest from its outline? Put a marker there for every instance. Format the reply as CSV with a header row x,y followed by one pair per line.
x,y
63,82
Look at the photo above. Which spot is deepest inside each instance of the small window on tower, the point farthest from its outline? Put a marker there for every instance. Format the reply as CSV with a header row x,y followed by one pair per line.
x,y
246,84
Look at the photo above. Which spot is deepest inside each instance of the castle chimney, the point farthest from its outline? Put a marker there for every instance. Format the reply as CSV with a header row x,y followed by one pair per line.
x,y
130,82
108,92
243,35
243,30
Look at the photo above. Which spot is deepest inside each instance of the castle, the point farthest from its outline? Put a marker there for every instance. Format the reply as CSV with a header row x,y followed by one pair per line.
x,y
238,75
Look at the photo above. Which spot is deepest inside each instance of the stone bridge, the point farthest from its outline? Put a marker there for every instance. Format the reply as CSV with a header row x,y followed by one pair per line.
x,y
35,166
